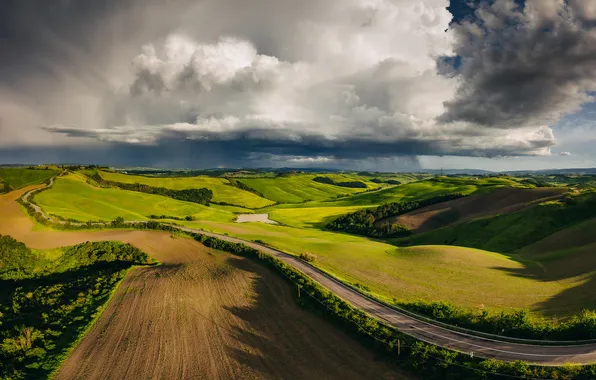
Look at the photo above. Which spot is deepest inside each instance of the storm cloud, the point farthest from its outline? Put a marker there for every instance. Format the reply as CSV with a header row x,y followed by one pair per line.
x,y
252,82
524,65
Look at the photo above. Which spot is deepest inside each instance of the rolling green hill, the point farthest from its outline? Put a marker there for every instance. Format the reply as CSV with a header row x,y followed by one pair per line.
x,y
467,277
513,231
222,190
72,198
301,187
21,177
318,213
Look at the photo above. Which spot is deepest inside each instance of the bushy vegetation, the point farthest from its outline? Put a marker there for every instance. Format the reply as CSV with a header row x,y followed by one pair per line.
x,y
365,222
308,257
48,302
201,196
4,187
331,181
243,186
536,182
516,324
387,181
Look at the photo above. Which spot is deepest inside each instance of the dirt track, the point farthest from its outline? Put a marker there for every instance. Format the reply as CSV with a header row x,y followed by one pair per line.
x,y
202,314
499,201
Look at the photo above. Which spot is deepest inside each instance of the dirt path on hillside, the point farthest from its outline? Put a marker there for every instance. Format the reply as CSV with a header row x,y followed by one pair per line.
x,y
202,314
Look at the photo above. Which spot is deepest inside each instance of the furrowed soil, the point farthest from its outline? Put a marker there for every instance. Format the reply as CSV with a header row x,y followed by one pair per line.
x,y
500,201
201,314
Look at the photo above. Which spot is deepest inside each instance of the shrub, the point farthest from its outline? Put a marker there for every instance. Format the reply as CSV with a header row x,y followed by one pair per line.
x,y
118,222
308,257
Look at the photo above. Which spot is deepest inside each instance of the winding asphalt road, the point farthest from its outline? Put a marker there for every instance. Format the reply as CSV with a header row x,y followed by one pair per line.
x,y
430,333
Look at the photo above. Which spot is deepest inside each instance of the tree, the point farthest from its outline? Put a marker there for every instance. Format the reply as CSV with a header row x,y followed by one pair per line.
x,y
118,222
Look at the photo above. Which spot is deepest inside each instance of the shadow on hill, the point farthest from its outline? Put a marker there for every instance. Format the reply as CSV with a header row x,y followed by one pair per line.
x,y
498,201
578,265
279,340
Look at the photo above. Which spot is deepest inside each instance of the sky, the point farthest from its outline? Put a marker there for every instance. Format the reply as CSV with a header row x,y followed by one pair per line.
x,y
388,85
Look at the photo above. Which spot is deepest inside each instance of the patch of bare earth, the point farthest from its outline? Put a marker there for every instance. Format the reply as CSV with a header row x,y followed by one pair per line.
x,y
263,218
202,314
500,201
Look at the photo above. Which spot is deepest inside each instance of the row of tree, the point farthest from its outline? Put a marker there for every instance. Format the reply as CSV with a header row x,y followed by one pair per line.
x,y
331,181
201,196
365,222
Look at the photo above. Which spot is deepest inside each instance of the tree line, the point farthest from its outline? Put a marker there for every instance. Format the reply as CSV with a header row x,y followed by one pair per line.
x,y
331,181
47,304
365,222
201,196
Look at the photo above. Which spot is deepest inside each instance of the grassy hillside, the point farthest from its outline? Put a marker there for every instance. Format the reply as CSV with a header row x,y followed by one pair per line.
x,y
310,217
301,187
222,190
510,232
578,235
21,177
418,190
471,278
318,213
48,300
500,201
72,198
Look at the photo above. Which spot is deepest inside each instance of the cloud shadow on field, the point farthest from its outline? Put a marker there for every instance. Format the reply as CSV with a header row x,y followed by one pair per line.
x,y
576,266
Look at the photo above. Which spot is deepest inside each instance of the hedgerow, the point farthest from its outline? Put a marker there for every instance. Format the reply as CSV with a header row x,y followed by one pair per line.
x,y
46,305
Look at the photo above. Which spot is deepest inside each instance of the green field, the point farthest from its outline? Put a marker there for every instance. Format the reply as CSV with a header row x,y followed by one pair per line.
x,y
72,198
222,190
21,177
413,190
301,187
467,277
309,217
436,271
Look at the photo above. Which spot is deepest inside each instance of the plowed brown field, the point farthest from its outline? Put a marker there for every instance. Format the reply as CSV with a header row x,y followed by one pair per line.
x,y
499,201
202,314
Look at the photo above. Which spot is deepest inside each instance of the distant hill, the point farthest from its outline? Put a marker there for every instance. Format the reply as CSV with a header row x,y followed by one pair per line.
x,y
554,171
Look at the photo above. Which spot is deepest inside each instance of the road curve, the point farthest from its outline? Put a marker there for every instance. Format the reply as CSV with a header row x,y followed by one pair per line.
x,y
430,333
458,341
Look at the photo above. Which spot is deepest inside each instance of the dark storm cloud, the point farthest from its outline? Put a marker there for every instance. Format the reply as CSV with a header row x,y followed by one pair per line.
x,y
523,65
243,144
